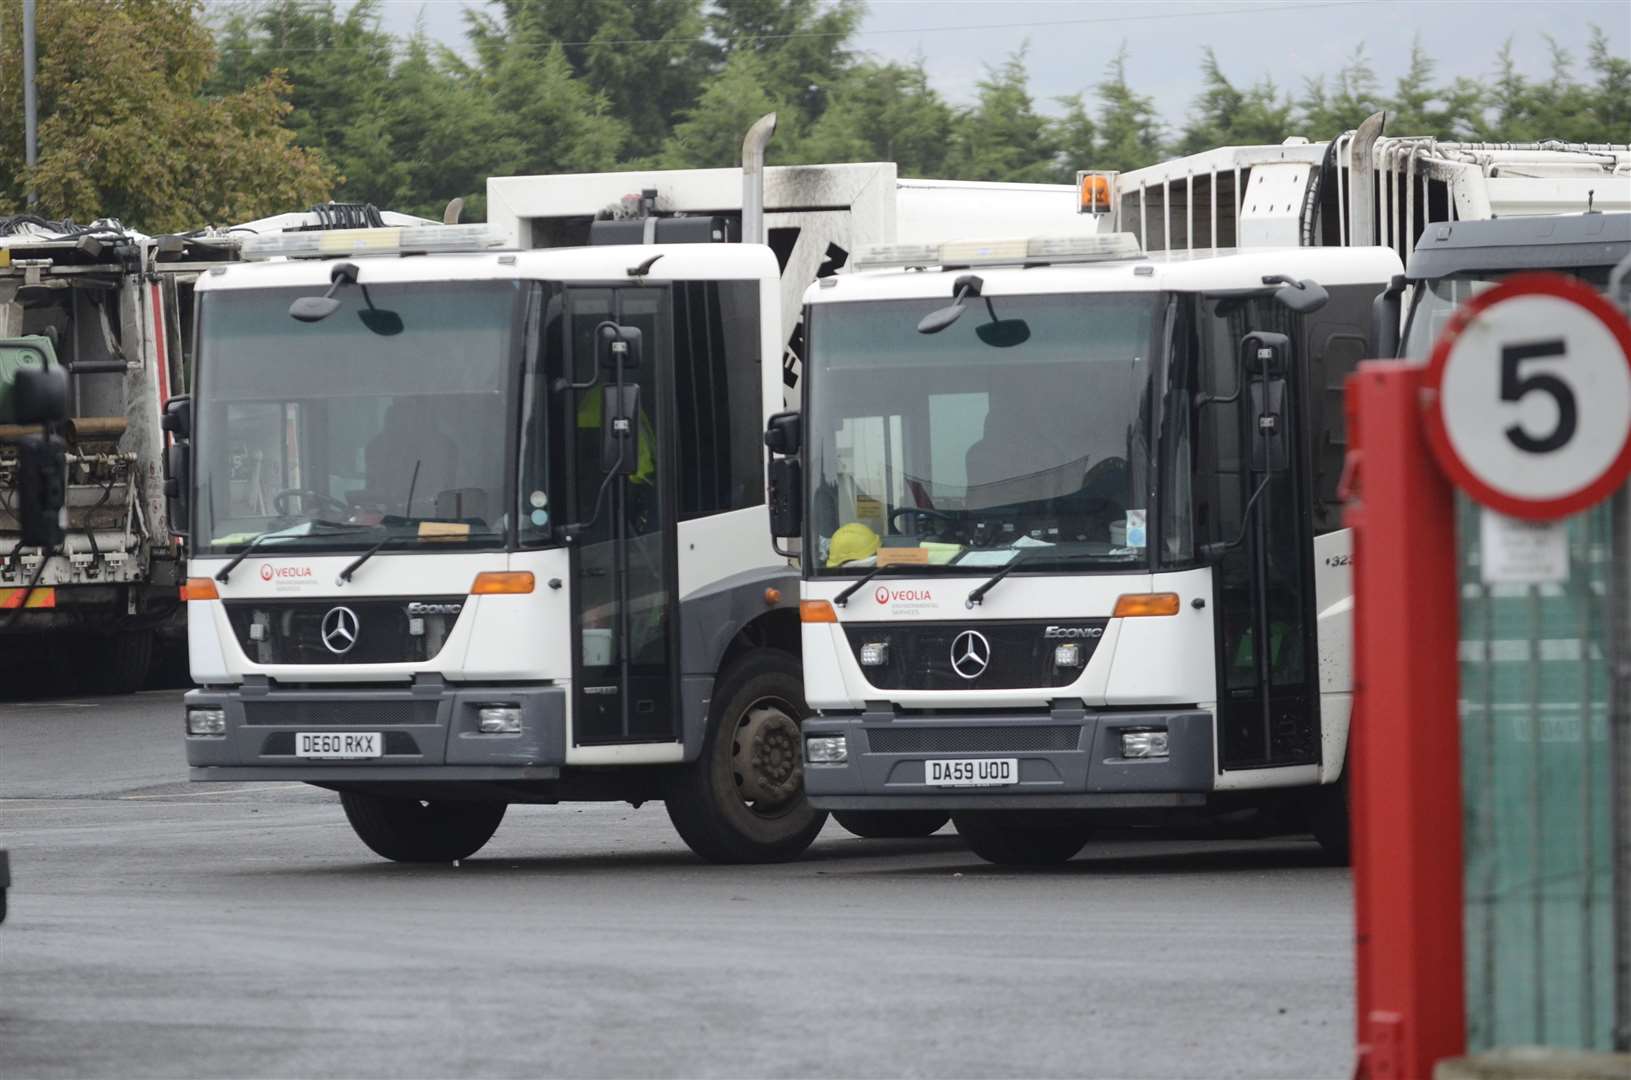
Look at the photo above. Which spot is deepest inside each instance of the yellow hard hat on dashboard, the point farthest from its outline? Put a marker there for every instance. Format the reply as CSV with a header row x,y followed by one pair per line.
x,y
851,542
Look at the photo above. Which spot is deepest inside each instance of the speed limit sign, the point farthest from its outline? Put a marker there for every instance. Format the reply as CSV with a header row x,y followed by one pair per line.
x,y
1528,397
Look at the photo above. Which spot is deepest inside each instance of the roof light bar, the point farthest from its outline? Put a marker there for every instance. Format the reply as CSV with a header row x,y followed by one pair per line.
x,y
989,252
420,239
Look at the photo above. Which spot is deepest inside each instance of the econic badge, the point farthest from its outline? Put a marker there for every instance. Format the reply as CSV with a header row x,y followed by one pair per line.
x,y
1528,397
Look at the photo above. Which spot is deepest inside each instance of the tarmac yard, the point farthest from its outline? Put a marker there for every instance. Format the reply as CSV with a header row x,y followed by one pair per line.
x,y
161,928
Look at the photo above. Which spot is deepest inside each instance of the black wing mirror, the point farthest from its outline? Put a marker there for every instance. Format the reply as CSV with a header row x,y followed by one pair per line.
x,y
178,417
1385,312
1303,297
784,432
1267,357
618,352
618,347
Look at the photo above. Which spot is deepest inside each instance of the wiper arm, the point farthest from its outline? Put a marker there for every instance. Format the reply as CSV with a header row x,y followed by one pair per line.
x,y
978,593
843,598
345,575
254,545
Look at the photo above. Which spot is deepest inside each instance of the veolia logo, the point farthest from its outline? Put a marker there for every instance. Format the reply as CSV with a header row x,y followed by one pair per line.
x,y
888,596
268,572
882,595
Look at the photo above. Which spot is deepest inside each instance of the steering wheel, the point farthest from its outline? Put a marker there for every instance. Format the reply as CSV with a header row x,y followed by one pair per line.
x,y
280,501
919,513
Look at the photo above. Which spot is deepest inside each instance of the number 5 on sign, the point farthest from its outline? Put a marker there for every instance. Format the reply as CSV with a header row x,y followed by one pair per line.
x,y
1528,397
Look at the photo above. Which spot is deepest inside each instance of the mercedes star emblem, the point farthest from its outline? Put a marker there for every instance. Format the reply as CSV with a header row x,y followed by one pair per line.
x,y
970,653
339,630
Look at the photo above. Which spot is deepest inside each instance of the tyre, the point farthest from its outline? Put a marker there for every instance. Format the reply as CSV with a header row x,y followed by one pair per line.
x,y
891,824
742,800
117,664
1328,820
1020,838
417,831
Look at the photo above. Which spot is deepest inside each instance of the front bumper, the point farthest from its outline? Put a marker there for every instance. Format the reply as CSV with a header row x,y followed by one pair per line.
x,y
1068,759
430,731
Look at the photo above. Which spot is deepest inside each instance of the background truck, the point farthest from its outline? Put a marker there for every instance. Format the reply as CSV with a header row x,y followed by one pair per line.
x,y
114,307
533,575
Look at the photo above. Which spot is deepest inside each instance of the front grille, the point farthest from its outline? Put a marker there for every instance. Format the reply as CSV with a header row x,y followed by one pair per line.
x,y
362,715
1020,653
281,743
291,631
972,740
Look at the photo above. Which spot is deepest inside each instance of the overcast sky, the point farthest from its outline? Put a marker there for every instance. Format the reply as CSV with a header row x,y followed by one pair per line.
x,y
1070,41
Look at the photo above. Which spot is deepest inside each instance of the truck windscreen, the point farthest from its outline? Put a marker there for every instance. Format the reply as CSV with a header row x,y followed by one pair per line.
x,y
1435,300
333,434
1023,427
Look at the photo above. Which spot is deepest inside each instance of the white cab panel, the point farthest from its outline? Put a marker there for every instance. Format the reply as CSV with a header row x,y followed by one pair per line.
x,y
508,631
1171,662
1167,659
716,547
524,636
1336,714
1333,601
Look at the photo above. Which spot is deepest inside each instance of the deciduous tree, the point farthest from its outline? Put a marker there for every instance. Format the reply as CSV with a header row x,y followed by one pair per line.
x,y
128,131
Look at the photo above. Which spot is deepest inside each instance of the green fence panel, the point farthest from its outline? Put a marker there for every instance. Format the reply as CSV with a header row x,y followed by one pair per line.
x,y
1538,796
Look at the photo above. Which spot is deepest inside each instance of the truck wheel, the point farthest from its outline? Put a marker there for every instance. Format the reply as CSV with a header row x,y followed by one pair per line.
x,y
1017,838
742,800
891,824
417,831
119,663
1328,820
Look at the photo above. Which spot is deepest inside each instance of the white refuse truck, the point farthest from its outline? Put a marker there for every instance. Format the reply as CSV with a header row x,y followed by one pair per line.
x,y
485,524
1069,508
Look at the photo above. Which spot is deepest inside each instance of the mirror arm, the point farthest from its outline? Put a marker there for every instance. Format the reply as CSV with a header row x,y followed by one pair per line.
x,y
1203,400
573,531
1215,549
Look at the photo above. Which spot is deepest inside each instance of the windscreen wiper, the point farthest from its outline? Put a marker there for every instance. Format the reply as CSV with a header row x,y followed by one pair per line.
x,y
334,529
843,598
345,575
978,594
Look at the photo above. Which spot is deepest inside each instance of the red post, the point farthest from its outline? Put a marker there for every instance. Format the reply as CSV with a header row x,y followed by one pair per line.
x,y
1405,748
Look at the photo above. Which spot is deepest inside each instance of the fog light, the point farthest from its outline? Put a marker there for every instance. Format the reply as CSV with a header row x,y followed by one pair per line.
x,y
206,721
875,654
1143,744
826,750
500,719
1067,655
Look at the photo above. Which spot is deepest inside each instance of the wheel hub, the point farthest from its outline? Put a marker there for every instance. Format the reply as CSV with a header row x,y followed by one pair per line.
x,y
766,756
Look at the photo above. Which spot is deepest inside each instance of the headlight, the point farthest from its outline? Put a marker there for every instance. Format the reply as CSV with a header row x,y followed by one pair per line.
x,y
875,654
1143,744
499,719
207,721
826,749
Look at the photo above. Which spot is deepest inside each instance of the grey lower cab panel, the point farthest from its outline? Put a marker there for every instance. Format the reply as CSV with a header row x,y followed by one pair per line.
x,y
428,725
1068,753
1154,800
445,774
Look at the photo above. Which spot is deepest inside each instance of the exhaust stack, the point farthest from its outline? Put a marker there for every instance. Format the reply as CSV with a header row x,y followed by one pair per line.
x,y
753,178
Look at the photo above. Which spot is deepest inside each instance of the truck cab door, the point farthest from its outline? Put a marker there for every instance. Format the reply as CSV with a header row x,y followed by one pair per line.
x,y
1268,700
623,566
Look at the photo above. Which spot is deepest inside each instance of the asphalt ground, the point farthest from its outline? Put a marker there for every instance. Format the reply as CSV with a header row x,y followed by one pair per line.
x,y
161,928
